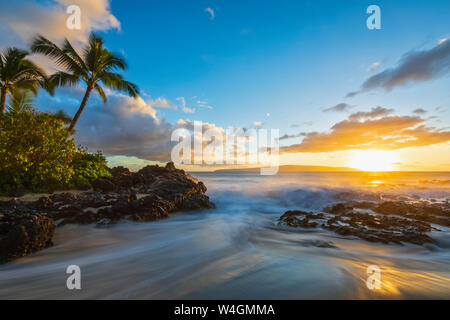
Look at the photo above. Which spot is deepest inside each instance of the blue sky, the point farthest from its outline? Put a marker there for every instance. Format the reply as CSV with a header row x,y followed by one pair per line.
x,y
286,58
281,63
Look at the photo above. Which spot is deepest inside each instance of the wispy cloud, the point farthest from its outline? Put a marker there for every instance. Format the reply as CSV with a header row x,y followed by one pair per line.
x,y
162,103
184,107
374,66
338,108
204,104
374,113
211,12
420,111
415,66
291,136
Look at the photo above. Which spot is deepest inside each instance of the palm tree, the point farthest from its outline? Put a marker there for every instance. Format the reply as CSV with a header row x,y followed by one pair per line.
x,y
96,64
20,100
16,72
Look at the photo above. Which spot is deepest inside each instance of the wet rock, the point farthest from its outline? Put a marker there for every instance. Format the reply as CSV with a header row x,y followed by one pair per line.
x,y
104,185
23,233
338,208
298,218
196,202
162,191
386,222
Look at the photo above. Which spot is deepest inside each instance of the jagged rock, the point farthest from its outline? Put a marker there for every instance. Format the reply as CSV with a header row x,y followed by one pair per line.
x,y
196,202
170,166
104,185
24,233
385,222
19,192
162,190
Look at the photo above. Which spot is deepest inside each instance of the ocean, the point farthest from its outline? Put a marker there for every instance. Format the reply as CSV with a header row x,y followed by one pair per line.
x,y
239,251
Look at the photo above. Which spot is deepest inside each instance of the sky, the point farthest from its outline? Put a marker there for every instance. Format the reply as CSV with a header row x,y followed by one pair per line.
x,y
311,69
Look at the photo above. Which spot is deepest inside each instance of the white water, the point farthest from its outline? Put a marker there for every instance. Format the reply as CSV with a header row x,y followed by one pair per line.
x,y
238,252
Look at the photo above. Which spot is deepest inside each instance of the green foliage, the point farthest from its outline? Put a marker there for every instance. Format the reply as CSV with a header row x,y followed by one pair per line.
x,y
87,168
38,155
20,100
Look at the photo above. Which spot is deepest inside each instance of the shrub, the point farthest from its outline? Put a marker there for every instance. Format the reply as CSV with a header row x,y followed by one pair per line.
x,y
87,168
37,154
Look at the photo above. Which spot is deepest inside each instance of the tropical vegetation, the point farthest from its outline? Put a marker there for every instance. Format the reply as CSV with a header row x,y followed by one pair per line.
x,y
37,149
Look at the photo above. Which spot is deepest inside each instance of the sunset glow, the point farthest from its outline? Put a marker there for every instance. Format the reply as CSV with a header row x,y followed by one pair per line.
x,y
374,160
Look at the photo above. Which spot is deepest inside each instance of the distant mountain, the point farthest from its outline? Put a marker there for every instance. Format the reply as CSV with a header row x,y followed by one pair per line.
x,y
294,168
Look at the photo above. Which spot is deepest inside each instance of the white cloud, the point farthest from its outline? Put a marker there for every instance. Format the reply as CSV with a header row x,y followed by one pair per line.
x,y
211,12
162,103
184,107
374,66
28,18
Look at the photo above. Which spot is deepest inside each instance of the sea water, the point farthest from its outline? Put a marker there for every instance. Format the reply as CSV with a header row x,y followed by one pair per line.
x,y
238,250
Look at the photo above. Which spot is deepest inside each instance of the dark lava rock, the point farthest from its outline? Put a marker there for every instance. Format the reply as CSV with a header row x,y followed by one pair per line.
x,y
170,166
151,193
104,185
22,234
298,218
19,192
386,222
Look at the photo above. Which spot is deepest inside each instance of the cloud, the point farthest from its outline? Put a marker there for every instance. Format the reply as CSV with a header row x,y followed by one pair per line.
x,y
204,104
375,112
371,130
211,12
26,18
23,19
420,111
338,108
374,66
125,126
306,123
287,136
413,67
162,103
184,108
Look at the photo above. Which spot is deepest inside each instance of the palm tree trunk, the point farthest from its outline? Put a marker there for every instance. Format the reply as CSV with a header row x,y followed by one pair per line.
x,y
80,110
3,100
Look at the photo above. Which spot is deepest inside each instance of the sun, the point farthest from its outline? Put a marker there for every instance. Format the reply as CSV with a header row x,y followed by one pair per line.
x,y
374,160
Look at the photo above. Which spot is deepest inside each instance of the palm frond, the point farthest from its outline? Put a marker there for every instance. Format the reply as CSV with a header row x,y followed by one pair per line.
x,y
20,100
115,81
112,61
100,92
46,47
93,52
62,78
71,52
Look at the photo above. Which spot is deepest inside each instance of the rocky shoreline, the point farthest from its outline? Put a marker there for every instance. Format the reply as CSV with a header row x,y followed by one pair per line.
x,y
151,193
385,222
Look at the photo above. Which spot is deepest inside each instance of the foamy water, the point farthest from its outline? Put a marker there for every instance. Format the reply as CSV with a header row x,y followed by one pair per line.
x,y
239,252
